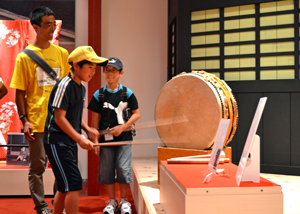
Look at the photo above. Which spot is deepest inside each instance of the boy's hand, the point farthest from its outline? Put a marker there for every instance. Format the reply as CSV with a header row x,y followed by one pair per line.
x,y
117,130
85,144
28,131
93,134
96,150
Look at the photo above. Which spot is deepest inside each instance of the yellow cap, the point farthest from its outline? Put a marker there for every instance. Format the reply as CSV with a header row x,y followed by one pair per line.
x,y
86,53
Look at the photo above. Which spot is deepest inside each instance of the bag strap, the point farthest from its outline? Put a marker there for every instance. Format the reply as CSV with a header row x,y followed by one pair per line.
x,y
124,94
41,62
101,95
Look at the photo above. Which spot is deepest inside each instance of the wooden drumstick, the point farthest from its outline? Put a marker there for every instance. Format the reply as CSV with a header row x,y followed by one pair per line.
x,y
145,125
196,160
13,145
150,124
136,142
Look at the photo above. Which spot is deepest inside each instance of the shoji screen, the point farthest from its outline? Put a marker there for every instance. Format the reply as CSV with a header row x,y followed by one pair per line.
x,y
248,42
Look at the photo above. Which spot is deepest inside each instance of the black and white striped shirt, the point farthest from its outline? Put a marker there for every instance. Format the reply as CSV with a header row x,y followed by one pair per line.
x,y
69,96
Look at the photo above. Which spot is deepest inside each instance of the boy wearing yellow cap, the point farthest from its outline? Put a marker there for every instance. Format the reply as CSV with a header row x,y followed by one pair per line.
x,y
63,127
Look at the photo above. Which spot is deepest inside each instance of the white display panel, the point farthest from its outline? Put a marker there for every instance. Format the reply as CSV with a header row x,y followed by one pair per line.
x,y
218,145
249,141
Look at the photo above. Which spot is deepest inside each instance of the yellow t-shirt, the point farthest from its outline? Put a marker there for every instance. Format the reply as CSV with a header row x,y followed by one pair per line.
x,y
29,77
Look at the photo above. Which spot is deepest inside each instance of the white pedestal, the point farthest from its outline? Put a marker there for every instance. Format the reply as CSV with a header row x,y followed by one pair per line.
x,y
179,198
15,182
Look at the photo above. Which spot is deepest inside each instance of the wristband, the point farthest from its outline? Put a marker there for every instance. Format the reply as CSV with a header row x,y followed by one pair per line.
x,y
22,116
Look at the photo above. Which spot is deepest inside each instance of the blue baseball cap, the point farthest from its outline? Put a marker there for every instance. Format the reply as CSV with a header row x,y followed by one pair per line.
x,y
115,62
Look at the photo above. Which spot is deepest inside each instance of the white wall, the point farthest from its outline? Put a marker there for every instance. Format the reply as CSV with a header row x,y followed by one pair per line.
x,y
81,38
136,32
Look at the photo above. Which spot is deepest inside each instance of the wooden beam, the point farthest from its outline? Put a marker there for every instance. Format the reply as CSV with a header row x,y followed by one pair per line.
x,y
94,40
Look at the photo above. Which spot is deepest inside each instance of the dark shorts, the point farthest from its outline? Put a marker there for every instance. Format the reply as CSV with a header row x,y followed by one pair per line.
x,y
64,162
115,164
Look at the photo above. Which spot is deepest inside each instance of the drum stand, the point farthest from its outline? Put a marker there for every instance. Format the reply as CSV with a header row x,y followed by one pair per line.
x,y
203,159
251,166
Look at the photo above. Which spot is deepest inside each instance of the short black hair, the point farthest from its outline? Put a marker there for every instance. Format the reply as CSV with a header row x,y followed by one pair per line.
x,y
81,63
37,14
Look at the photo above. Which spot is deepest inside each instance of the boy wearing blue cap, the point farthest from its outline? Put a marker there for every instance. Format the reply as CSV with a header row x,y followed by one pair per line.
x,y
108,105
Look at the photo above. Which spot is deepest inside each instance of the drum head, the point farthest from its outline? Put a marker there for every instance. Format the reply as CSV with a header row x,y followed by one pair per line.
x,y
197,101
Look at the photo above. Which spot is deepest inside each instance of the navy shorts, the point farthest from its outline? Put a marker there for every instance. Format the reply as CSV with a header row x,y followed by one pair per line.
x,y
115,164
64,162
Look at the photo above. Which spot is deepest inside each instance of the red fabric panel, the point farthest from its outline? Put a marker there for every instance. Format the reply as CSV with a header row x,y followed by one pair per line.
x,y
15,35
192,176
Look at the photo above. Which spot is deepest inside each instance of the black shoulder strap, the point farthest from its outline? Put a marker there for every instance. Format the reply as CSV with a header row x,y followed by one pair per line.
x,y
41,62
124,94
101,96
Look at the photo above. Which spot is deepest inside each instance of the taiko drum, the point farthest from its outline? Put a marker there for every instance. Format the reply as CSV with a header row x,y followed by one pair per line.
x,y
203,100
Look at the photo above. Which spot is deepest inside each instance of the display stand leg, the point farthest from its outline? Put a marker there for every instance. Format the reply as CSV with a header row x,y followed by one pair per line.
x,y
252,168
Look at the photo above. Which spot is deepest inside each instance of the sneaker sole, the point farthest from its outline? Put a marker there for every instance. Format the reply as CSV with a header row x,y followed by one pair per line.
x,y
116,211
126,212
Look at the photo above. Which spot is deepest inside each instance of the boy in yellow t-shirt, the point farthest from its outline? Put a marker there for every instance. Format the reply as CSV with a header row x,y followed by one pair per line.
x,y
33,88
3,89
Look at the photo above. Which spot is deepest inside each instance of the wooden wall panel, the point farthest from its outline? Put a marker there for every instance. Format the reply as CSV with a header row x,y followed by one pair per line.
x,y
247,104
276,130
295,129
279,127
233,144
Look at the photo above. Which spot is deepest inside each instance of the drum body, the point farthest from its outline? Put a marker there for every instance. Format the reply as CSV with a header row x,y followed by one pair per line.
x,y
203,100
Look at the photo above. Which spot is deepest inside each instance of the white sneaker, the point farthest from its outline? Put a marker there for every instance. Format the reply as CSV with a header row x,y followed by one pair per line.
x,y
111,207
125,207
45,212
64,211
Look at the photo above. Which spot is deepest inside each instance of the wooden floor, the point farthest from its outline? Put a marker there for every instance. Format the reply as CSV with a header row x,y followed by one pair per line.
x,y
291,191
146,194
145,188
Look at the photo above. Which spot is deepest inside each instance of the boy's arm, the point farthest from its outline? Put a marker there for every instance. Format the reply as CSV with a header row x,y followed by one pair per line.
x,y
20,101
3,90
95,124
134,117
90,131
65,126
117,130
95,120
84,126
